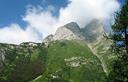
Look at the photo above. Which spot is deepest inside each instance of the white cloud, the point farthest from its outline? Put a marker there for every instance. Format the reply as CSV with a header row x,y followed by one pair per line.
x,y
14,34
42,21
82,11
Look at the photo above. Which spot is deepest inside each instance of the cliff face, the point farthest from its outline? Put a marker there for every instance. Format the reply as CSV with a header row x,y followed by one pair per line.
x,y
91,33
70,31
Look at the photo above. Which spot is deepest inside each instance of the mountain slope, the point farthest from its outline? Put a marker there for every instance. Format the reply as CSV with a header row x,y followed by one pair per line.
x,y
72,54
99,45
71,61
92,34
21,63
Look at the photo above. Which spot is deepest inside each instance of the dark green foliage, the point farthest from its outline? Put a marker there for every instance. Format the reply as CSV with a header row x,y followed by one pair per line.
x,y
26,72
23,63
119,72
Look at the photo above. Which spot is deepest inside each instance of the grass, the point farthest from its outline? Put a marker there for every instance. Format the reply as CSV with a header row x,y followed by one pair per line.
x,y
60,50
50,65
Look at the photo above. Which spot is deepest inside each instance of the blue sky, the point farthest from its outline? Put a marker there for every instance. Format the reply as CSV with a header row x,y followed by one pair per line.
x,y
11,11
23,23
122,1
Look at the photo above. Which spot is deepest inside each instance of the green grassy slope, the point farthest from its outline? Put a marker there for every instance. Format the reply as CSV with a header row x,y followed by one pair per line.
x,y
71,61
61,61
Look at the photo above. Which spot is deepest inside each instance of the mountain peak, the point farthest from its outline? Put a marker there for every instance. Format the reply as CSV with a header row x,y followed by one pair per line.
x,y
72,26
93,31
69,31
90,33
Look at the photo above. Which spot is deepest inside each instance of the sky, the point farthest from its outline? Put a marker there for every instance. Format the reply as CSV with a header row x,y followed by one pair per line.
x,y
32,20
12,11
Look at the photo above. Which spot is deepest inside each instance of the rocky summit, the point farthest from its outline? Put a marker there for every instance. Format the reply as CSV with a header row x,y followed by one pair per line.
x,y
70,31
92,32
72,54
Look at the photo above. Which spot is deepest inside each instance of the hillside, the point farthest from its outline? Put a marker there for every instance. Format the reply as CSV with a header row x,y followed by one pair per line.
x,y
72,54
91,34
21,63
71,61
62,61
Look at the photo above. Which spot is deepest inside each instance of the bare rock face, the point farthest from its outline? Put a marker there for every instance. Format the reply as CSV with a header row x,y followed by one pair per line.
x,y
91,33
49,38
70,31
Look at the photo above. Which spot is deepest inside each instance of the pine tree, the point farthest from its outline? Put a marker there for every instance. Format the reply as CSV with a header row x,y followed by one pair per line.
x,y
119,72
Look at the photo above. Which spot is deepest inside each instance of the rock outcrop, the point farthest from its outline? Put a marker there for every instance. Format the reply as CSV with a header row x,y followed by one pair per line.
x,y
68,32
91,33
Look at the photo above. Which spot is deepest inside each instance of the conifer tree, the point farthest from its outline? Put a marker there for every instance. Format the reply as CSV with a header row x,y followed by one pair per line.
x,y
119,72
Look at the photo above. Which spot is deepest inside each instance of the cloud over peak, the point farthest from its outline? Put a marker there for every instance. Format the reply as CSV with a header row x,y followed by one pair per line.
x,y
41,23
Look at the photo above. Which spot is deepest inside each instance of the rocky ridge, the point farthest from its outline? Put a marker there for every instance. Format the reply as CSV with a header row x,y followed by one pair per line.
x,y
92,34
70,31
